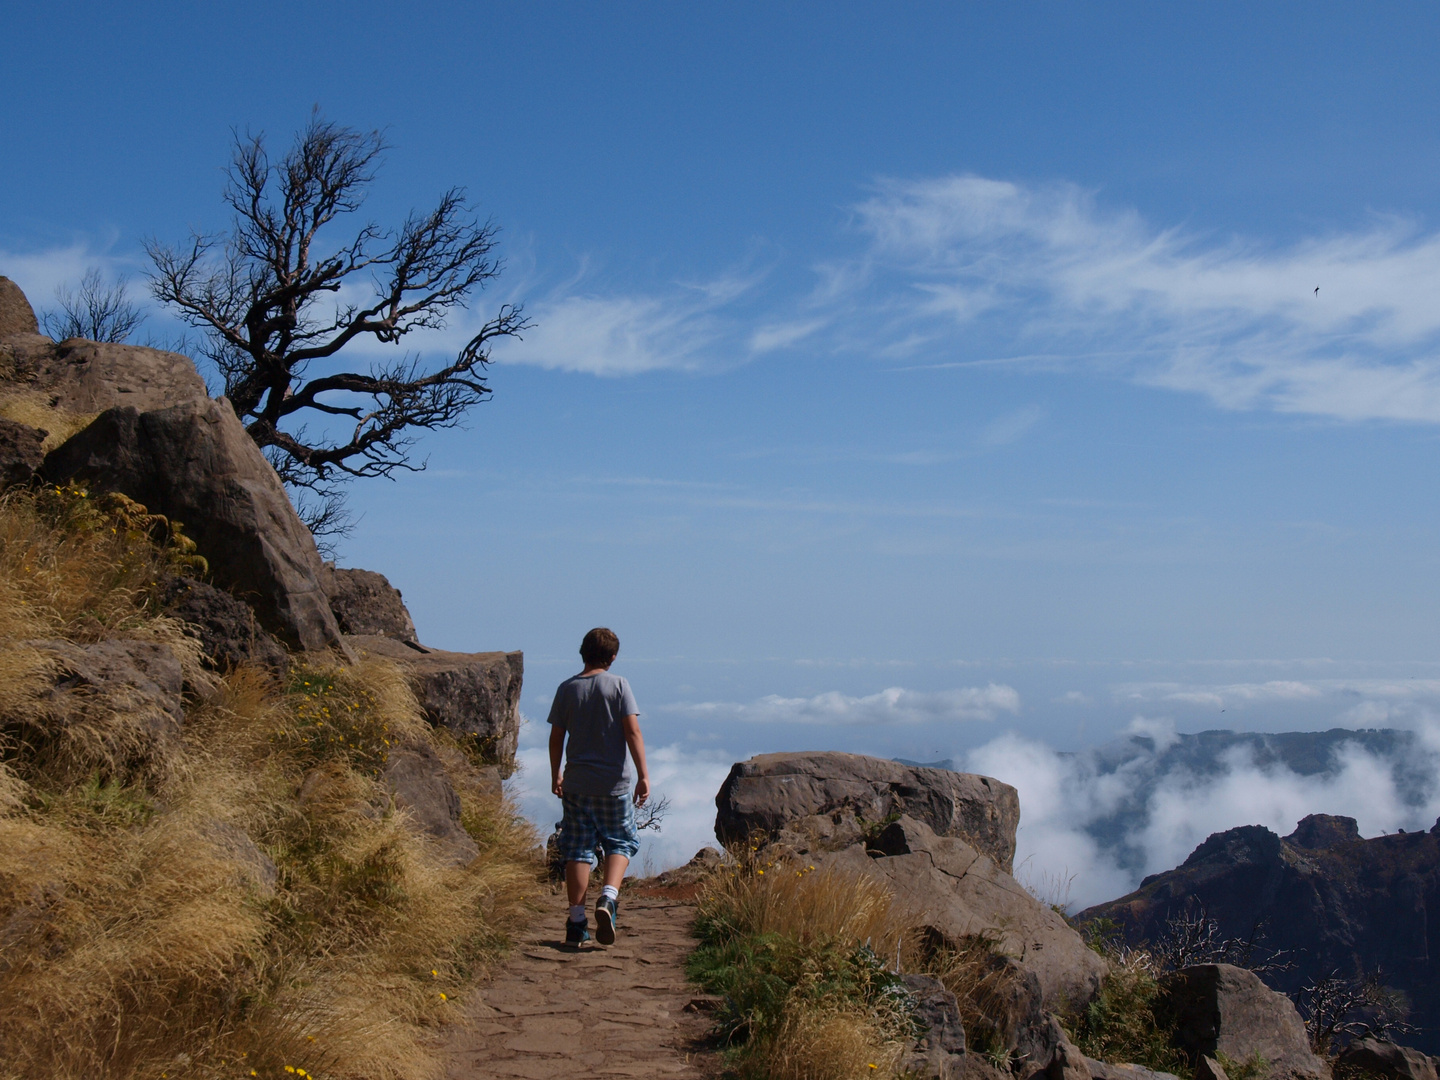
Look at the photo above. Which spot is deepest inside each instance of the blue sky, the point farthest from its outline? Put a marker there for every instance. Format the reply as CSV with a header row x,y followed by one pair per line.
x,y
905,379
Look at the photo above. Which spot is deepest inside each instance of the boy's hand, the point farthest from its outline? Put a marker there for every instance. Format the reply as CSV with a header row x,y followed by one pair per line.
x,y
555,785
642,791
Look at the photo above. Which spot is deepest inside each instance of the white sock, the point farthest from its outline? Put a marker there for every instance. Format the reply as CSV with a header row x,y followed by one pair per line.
x,y
577,912
611,892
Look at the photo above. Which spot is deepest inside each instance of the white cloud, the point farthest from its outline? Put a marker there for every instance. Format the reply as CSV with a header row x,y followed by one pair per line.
x,y
1381,695
1237,321
608,333
1067,801
894,705
1011,427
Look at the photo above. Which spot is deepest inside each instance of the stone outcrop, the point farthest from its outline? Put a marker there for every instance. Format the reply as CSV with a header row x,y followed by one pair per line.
x,y
20,452
799,790
253,868
959,893
195,464
474,695
142,680
16,314
1063,1061
1374,1058
226,627
1317,832
416,778
1333,901
938,1052
365,602
115,707
1221,1009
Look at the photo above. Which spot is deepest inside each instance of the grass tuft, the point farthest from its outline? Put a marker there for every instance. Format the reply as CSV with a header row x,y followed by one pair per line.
x,y
795,954
241,895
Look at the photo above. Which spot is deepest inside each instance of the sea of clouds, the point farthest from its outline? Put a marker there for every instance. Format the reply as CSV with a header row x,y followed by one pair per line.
x,y
1096,820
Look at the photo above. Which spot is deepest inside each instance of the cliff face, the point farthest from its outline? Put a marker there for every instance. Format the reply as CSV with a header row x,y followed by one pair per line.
x,y
1335,901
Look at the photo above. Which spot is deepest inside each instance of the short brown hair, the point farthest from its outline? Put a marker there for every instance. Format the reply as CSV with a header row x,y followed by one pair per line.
x,y
600,647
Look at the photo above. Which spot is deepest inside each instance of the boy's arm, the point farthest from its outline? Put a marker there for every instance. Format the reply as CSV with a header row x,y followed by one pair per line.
x,y
557,749
636,742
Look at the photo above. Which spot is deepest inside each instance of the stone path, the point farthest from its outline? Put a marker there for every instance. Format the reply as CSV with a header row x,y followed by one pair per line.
x,y
617,1011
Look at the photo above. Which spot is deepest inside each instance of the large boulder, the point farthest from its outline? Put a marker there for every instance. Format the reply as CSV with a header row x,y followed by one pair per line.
x,y
1375,1058
365,602
1222,1009
416,778
772,791
16,314
195,464
21,452
959,893
473,695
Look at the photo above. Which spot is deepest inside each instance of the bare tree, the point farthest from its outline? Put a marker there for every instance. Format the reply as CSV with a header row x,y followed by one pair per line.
x,y
652,813
277,301
1192,936
1336,1007
95,311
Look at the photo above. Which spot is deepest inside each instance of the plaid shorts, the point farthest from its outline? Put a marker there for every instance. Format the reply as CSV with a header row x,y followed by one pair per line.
x,y
606,821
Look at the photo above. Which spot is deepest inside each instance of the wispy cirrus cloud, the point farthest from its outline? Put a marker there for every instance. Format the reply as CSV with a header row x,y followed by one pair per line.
x,y
893,705
1238,321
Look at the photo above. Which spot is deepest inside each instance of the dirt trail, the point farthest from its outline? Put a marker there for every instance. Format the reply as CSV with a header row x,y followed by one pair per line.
x,y
617,1011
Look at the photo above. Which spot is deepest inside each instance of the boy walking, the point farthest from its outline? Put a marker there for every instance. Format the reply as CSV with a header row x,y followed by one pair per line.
x,y
596,711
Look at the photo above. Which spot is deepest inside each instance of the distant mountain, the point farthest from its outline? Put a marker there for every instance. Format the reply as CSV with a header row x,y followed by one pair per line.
x,y
1134,766
1332,901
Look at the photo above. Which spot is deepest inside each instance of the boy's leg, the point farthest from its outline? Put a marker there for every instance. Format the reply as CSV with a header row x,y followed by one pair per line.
x,y
577,846
620,840
577,880
615,866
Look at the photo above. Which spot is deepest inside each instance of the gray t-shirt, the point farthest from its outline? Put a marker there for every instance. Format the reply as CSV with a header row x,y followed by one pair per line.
x,y
592,710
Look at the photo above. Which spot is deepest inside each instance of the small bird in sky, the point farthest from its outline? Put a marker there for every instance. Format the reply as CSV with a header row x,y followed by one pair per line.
x,y
1317,290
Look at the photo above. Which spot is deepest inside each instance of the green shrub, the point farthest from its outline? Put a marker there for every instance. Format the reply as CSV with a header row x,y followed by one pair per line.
x,y
1121,1025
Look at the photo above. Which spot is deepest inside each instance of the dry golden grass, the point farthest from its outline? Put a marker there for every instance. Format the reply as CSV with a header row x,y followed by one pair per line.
x,y
255,903
795,900
820,1043
797,952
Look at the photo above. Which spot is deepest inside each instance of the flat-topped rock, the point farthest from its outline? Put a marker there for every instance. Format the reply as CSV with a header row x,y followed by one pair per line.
x,y
474,695
762,796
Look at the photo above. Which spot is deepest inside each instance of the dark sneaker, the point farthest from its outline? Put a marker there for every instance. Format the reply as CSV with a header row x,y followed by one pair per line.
x,y
605,912
576,934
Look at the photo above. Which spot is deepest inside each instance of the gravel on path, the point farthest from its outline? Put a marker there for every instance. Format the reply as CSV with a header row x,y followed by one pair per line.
x,y
623,1011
